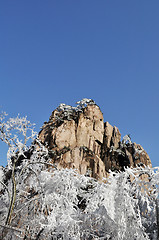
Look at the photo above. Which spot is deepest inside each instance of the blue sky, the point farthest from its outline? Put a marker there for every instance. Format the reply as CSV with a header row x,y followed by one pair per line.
x,y
62,51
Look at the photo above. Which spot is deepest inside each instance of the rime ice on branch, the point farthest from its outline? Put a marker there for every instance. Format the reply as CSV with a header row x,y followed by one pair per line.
x,y
47,190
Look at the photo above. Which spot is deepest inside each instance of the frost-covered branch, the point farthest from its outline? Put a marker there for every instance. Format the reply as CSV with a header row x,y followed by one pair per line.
x,y
12,228
6,189
64,204
16,133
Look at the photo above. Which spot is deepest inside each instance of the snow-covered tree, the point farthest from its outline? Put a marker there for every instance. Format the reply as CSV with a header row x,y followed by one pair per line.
x,y
38,201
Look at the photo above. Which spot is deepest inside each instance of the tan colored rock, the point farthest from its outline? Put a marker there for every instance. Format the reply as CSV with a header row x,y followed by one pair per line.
x,y
80,140
64,135
90,128
112,136
116,137
130,158
84,161
140,156
108,133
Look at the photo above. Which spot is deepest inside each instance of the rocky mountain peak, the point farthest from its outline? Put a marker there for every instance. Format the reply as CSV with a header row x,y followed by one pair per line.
x,y
78,138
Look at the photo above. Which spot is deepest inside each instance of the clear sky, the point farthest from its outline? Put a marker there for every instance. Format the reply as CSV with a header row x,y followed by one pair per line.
x,y
54,52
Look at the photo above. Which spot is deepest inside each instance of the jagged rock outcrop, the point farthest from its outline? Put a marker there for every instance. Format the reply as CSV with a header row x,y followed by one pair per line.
x,y
78,138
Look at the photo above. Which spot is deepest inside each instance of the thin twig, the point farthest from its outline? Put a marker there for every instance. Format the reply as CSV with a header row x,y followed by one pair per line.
x,y
26,203
6,189
12,228
31,163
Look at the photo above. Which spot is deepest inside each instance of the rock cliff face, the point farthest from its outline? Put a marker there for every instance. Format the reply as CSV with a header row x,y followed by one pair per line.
x,y
78,138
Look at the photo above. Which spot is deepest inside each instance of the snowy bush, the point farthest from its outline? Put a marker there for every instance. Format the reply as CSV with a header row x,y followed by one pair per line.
x,y
38,201
68,112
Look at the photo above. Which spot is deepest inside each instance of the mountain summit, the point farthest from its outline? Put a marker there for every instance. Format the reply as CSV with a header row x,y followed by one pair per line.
x,y
78,138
